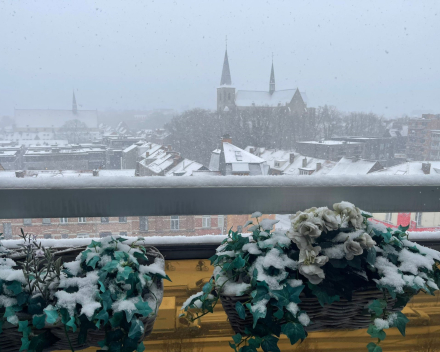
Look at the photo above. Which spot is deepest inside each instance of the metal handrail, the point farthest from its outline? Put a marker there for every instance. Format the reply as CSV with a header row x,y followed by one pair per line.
x,y
155,196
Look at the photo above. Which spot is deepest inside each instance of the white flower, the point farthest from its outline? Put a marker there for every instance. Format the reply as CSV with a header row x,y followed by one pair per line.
x,y
312,272
349,210
301,241
329,219
366,241
310,264
352,248
308,228
39,253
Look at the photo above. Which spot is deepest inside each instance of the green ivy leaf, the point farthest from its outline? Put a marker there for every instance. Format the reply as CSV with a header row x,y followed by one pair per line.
x,y
237,338
110,266
141,347
24,343
237,263
257,314
119,255
355,262
92,262
39,321
232,345
375,332
372,347
143,308
294,332
15,287
71,323
371,256
136,329
254,342
338,263
40,342
322,295
21,297
102,315
377,306
270,344
94,244
401,322
51,316
240,310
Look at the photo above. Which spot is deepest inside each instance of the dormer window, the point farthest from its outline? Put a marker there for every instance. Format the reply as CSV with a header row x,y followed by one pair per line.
x,y
238,156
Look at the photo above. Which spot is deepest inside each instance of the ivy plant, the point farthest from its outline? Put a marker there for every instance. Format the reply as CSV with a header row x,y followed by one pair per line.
x,y
326,254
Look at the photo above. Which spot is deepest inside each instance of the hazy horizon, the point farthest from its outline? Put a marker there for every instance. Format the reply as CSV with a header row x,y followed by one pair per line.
x,y
371,56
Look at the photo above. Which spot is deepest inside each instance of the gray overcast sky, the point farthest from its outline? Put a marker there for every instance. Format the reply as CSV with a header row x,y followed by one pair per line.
x,y
380,56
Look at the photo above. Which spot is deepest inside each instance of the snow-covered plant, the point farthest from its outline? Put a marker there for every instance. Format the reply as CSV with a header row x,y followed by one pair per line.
x,y
326,254
110,286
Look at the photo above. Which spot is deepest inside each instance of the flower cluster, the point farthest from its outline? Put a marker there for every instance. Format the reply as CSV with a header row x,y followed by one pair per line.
x,y
307,226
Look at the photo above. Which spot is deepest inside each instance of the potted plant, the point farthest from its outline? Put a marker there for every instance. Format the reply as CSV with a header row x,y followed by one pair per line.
x,y
332,269
108,296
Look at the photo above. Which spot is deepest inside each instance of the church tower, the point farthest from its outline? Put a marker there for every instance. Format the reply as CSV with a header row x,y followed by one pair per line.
x,y
225,92
74,105
272,80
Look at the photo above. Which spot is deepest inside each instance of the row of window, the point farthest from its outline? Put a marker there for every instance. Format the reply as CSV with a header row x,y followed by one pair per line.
x,y
143,221
82,220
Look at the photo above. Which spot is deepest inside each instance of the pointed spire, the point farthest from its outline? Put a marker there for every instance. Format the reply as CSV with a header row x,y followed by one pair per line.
x,y
272,79
74,106
226,74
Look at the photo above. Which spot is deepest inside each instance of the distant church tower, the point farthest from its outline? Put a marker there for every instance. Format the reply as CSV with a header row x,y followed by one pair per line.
x,y
74,105
226,92
272,80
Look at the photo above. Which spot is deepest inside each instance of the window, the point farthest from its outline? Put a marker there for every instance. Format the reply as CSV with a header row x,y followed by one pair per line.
x,y
143,223
104,220
206,221
221,221
46,221
82,220
122,219
419,219
174,223
123,233
47,235
64,235
84,235
388,217
63,221
7,230
104,234
27,222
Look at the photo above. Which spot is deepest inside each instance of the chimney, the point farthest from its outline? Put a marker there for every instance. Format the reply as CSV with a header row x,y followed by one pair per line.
x,y
251,150
170,147
19,173
426,168
291,158
304,162
318,166
96,172
227,138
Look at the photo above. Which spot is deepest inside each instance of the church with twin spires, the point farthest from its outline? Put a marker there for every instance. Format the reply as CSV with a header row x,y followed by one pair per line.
x,y
230,99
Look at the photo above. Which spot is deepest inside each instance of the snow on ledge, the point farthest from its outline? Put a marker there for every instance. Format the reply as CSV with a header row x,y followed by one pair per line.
x,y
224,181
152,240
173,240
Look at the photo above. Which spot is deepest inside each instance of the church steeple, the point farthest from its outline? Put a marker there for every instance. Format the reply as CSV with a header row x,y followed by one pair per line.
x,y
272,79
226,74
74,105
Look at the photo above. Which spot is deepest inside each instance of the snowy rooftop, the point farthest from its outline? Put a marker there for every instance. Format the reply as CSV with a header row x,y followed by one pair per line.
x,y
264,98
235,154
68,173
46,118
410,168
347,166
184,168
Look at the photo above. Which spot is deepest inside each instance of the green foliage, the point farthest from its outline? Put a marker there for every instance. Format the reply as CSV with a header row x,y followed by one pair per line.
x,y
265,269
37,295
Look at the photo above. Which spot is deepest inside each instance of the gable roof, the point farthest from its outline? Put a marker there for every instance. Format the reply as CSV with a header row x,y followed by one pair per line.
x,y
244,98
235,154
347,166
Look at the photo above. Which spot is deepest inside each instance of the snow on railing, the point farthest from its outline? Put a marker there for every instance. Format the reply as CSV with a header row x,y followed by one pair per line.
x,y
155,196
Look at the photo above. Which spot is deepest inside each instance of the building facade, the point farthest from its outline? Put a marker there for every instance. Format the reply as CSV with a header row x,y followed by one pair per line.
x,y
420,137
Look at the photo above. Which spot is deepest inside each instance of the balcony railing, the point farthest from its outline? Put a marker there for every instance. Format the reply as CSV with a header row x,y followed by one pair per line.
x,y
154,196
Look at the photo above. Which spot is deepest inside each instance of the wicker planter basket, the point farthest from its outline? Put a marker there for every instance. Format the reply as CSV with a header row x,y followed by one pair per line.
x,y
10,339
338,315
